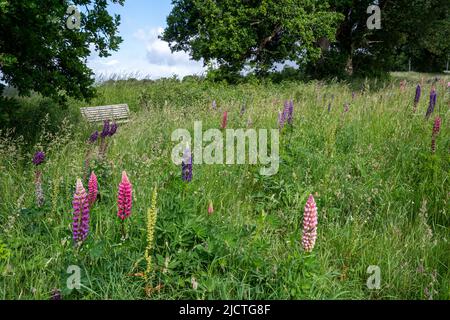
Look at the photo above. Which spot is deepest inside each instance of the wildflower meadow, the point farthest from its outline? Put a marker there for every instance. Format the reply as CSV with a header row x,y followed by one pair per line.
x,y
100,211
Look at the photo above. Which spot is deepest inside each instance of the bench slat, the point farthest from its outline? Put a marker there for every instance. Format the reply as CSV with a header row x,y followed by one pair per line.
x,y
119,112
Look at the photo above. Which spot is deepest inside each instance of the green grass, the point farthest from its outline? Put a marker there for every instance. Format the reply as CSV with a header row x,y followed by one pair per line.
x,y
382,197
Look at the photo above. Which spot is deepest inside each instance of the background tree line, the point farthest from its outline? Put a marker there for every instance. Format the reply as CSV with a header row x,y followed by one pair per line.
x,y
324,38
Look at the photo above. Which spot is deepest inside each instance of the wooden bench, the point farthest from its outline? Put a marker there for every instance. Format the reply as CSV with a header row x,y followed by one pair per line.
x,y
119,113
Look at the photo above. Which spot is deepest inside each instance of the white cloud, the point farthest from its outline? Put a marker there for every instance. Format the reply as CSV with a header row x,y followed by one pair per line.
x,y
146,56
111,62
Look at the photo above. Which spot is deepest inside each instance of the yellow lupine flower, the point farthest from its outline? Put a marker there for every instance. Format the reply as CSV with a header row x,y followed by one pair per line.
x,y
151,222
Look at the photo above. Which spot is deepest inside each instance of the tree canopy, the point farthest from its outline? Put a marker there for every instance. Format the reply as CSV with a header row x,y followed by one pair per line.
x,y
325,37
253,33
40,52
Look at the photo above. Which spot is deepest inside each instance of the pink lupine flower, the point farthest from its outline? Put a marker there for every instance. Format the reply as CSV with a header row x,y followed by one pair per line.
x,y
124,202
93,189
436,130
224,120
309,225
80,213
210,208
437,126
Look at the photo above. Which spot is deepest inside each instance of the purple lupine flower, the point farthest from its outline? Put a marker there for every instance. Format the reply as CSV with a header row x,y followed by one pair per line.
x,y
106,128
291,112
432,105
38,158
113,129
186,165
418,94
80,213
417,97
56,294
94,137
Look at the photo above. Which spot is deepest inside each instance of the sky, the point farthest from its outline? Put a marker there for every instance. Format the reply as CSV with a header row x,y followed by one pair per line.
x,y
141,53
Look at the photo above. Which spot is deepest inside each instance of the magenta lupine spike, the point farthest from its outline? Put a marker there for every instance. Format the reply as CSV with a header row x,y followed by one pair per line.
x,y
124,201
80,204
224,120
93,188
437,126
436,130
309,225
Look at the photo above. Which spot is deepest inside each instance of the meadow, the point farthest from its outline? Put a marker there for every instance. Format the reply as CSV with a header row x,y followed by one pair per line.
x,y
382,195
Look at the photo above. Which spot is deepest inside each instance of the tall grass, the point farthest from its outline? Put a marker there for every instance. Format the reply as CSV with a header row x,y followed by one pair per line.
x,y
382,199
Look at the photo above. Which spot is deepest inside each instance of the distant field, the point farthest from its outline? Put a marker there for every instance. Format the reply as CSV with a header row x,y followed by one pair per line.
x,y
383,197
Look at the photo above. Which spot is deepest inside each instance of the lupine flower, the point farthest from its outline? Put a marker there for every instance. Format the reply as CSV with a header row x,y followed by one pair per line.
x,y
93,189
309,225
94,137
39,158
151,222
106,128
124,202
284,115
436,130
56,294
186,166
437,126
418,94
433,99
80,213
113,129
210,208
291,112
224,120
417,97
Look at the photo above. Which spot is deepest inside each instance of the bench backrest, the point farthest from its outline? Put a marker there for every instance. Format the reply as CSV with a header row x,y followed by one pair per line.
x,y
118,113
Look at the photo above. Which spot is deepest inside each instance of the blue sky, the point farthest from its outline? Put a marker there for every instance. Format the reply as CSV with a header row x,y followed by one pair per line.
x,y
141,53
